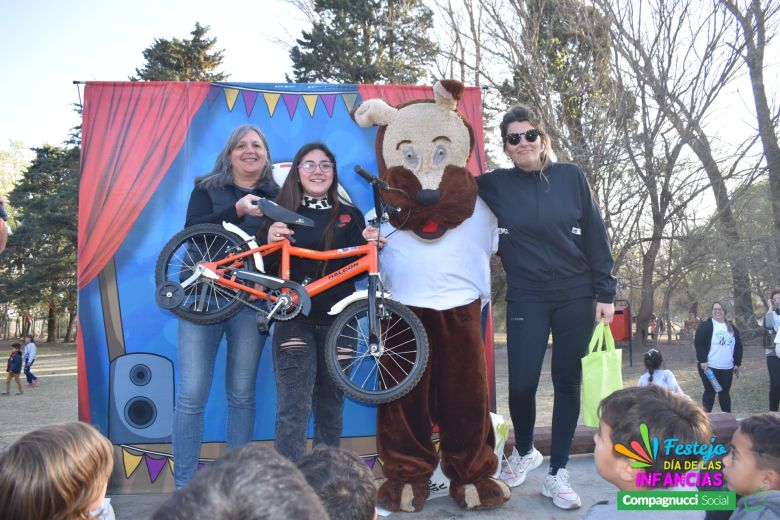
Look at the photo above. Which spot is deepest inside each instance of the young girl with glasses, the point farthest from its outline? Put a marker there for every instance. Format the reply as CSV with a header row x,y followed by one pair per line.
x,y
303,384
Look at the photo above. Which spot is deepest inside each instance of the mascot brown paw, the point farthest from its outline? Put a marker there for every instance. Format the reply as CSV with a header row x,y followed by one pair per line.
x,y
395,495
487,493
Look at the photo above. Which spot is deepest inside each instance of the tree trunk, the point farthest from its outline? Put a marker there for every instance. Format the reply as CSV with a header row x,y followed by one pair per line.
x,y
51,324
71,320
743,303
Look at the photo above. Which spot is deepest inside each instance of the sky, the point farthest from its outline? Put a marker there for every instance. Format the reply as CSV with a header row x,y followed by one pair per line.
x,y
46,45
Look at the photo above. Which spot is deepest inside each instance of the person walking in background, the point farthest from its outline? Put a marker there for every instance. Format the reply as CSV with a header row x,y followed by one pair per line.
x,y
556,254
718,348
656,374
14,368
772,325
30,352
241,175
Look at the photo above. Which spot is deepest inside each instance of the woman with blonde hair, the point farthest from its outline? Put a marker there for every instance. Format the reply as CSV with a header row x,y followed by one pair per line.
x,y
58,472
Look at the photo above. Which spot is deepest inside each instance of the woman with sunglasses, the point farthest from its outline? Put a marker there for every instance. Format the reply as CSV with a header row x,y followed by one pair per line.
x,y
718,348
303,384
556,254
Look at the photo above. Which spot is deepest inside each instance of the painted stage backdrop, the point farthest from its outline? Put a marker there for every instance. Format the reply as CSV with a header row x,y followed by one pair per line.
x,y
143,146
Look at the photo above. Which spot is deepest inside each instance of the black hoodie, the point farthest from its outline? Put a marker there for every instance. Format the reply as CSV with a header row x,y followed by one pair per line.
x,y
553,243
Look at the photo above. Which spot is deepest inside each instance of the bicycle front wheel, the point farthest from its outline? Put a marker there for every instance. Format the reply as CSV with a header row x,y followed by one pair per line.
x,y
203,302
397,362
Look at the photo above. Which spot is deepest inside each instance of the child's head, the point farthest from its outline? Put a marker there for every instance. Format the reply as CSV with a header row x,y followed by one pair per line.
x,y
666,414
252,482
653,361
28,338
342,481
753,461
16,346
59,472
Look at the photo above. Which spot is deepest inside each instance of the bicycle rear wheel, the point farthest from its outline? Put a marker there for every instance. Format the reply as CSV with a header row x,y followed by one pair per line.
x,y
203,302
391,372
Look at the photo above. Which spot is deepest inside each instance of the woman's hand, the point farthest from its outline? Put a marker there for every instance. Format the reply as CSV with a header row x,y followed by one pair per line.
x,y
278,232
371,234
736,370
703,366
605,311
245,207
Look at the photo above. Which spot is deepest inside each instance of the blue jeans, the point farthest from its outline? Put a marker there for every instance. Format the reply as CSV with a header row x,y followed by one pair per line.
x,y
303,385
197,352
28,373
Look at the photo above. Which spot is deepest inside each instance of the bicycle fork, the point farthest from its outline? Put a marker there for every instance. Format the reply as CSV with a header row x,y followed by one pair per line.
x,y
375,346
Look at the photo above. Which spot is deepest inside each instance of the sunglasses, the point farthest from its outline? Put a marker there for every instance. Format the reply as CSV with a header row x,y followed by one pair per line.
x,y
311,166
530,136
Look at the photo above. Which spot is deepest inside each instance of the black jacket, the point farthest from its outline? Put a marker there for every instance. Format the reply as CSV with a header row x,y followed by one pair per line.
x,y
702,341
555,245
15,362
214,205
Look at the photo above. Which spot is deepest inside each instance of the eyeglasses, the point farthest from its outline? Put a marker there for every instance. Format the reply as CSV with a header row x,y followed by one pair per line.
x,y
311,166
714,309
530,136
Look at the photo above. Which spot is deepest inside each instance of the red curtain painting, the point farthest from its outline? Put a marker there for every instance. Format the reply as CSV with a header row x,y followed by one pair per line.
x,y
133,133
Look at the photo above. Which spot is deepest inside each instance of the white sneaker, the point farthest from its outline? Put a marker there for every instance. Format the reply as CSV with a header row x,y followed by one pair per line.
x,y
515,469
557,487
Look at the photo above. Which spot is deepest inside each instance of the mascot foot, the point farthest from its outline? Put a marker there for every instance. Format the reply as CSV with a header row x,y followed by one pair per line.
x,y
487,493
395,495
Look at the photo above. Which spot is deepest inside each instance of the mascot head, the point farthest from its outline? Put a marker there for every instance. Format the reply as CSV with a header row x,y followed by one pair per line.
x,y
422,148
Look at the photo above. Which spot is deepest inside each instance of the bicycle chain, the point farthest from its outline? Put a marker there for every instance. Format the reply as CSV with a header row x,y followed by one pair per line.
x,y
280,317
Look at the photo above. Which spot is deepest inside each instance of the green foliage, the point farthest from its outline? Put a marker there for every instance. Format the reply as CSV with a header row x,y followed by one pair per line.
x,y
39,265
366,42
12,164
182,60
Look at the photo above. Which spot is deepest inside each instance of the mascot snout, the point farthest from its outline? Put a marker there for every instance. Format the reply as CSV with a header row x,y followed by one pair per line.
x,y
428,197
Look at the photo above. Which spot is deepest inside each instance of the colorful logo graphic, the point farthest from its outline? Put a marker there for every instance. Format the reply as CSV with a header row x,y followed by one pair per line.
x,y
643,457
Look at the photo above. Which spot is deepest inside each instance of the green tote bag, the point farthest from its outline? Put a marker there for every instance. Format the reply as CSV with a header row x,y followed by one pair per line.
x,y
602,373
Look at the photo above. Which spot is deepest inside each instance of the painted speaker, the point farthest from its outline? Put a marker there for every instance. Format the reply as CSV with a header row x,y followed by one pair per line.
x,y
141,399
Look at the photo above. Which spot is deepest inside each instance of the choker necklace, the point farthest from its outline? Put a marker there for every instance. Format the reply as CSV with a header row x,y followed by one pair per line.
x,y
315,203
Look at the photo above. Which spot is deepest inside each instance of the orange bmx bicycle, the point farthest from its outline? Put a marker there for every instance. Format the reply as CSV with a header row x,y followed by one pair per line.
x,y
376,348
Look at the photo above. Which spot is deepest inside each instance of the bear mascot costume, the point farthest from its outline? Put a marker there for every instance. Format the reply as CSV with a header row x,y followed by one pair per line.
x,y
436,261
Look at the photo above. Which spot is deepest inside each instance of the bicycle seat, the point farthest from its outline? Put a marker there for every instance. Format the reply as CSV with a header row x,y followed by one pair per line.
x,y
278,213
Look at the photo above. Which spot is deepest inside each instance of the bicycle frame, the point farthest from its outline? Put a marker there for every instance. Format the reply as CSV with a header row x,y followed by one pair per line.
x,y
368,263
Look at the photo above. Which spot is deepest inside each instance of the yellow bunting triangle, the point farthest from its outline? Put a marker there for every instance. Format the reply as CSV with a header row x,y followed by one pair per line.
x,y
311,102
170,464
231,94
271,100
130,462
349,100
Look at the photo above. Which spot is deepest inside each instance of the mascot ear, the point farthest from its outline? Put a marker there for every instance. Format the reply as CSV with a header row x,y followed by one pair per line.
x,y
447,93
374,112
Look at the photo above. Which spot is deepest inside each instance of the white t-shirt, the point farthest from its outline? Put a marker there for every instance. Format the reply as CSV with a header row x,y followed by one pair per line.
x,y
445,273
663,378
721,354
30,350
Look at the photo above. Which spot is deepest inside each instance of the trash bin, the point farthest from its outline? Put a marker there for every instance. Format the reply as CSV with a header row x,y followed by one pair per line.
x,y
621,326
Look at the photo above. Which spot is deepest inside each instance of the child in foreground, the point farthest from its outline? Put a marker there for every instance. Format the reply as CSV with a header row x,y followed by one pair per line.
x,y
58,472
342,481
667,415
752,467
